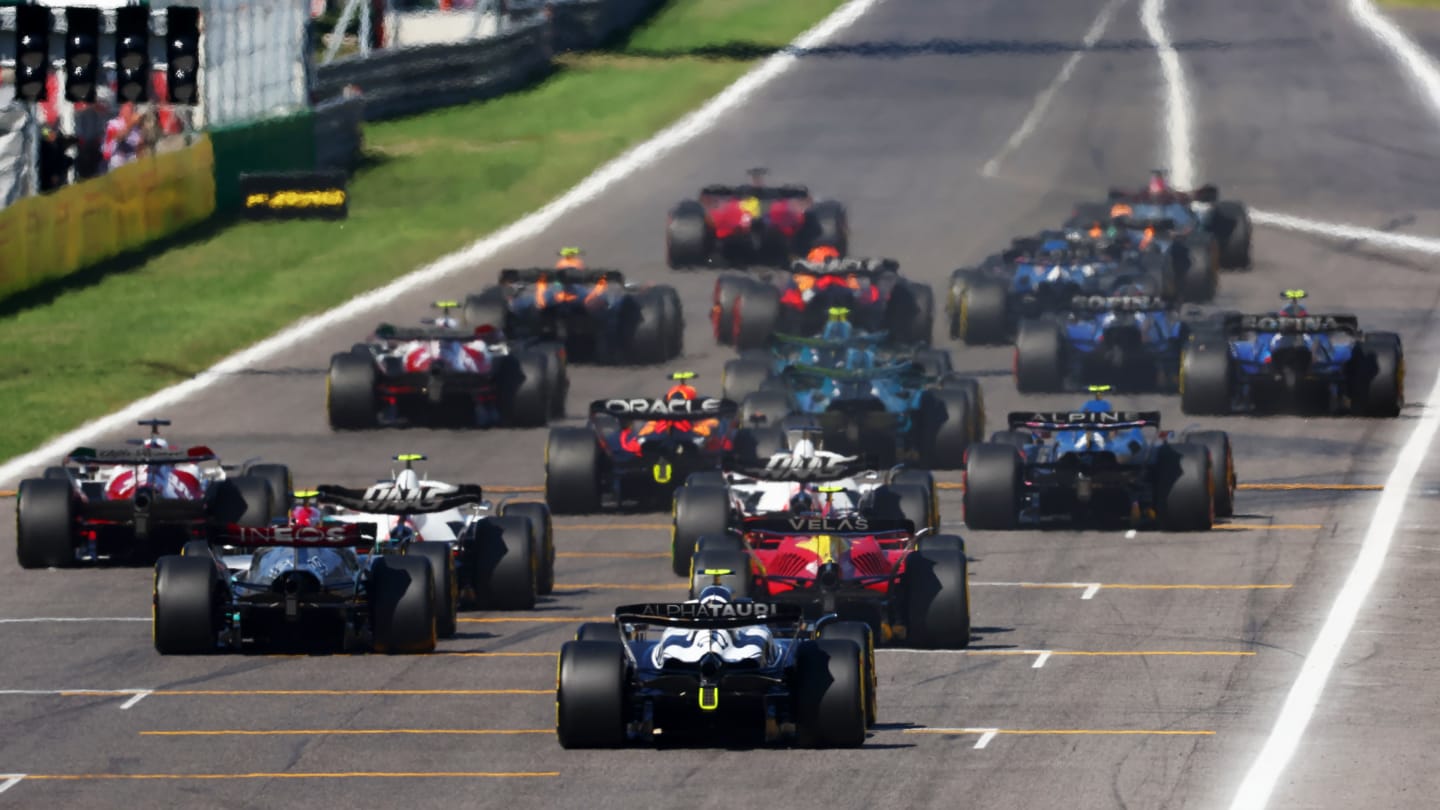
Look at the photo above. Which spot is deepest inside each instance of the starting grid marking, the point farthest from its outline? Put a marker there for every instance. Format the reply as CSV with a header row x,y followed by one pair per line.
x,y
986,735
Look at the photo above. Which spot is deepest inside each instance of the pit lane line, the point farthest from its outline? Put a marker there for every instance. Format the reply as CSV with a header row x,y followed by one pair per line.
x,y
1259,783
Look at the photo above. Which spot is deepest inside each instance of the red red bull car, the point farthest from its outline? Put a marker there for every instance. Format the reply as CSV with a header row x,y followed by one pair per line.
x,y
908,586
142,498
752,224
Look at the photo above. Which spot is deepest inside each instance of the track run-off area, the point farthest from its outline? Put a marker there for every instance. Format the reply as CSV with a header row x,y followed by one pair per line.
x,y
1282,660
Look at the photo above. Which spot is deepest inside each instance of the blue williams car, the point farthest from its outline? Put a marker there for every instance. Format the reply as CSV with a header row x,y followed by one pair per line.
x,y
1098,465
1130,339
1292,361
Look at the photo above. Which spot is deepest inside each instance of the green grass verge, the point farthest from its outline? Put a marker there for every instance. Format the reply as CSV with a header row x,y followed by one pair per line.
x,y
1411,3
436,182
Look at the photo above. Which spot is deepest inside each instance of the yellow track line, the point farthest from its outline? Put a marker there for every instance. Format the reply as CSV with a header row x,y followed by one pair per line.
x,y
535,619
1312,487
1110,652
1267,527
67,777
1134,587
367,732
621,555
620,586
612,527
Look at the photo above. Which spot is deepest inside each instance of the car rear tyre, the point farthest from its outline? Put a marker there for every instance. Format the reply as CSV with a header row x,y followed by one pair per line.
x,y
1222,467
502,563
187,605
245,501
282,487
1232,228
489,308
1039,358
757,310
699,511
945,428
525,391
688,238
764,408
1378,375
937,594
45,515
402,605
590,695
830,694
993,487
722,310
572,471
446,596
860,634
1205,379
542,539
984,314
743,376
1184,501
904,502
712,558
350,392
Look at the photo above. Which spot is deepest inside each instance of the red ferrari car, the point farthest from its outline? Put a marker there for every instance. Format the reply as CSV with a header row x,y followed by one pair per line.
x,y
752,224
907,586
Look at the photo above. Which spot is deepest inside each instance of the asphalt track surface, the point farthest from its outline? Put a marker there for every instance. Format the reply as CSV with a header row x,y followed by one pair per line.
x,y
1160,685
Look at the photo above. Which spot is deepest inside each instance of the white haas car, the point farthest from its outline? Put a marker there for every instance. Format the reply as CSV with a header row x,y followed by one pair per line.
x,y
504,554
804,479
142,498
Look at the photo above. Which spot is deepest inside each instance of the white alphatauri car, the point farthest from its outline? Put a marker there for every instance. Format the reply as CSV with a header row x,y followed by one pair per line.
x,y
803,479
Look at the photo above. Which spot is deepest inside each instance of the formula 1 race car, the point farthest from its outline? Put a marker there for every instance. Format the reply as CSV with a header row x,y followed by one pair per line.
x,y
593,313
907,585
748,311
753,224
1036,276
887,412
143,498
721,667
1130,340
802,479
333,571
1222,227
637,449
1293,361
1098,465
442,373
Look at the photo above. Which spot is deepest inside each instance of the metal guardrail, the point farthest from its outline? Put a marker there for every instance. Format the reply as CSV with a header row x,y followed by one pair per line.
x,y
410,80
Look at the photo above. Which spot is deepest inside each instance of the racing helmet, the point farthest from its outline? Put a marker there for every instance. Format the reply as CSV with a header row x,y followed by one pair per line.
x,y
1293,306
822,253
714,595
803,501
1121,211
571,258
155,443
1158,184
682,389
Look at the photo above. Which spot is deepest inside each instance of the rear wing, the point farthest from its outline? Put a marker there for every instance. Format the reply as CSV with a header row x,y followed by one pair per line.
x,y
785,192
1119,303
385,498
391,332
641,408
785,467
139,455
710,617
1292,324
1159,225
332,535
1082,420
566,275
846,267
854,374
857,340
806,524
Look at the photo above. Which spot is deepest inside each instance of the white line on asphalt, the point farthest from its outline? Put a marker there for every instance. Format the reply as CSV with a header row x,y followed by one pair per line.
x,y
1090,591
1259,783
1346,233
1042,101
139,696
986,736
1041,659
1177,95
101,692
62,619
532,225
11,780
1130,535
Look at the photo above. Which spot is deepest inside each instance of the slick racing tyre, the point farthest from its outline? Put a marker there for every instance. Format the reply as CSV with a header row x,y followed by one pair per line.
x,y
282,487
542,539
501,559
861,636
700,510
1205,377
1377,375
45,515
590,695
402,604
598,631
982,316
188,596
525,390
764,408
971,388
944,428
743,376
904,502
829,694
557,376
1184,501
689,241
910,315
937,594
722,309
912,477
446,595
1195,260
646,332
826,223
350,392
713,557
672,315
993,487
1039,358
572,471
1232,229
244,500
757,310
1222,467
489,308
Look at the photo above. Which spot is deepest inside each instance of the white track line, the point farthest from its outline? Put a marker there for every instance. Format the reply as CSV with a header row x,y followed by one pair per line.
x,y
1041,659
533,225
1346,233
1177,95
985,738
139,696
1090,591
1042,101
11,780
1259,783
